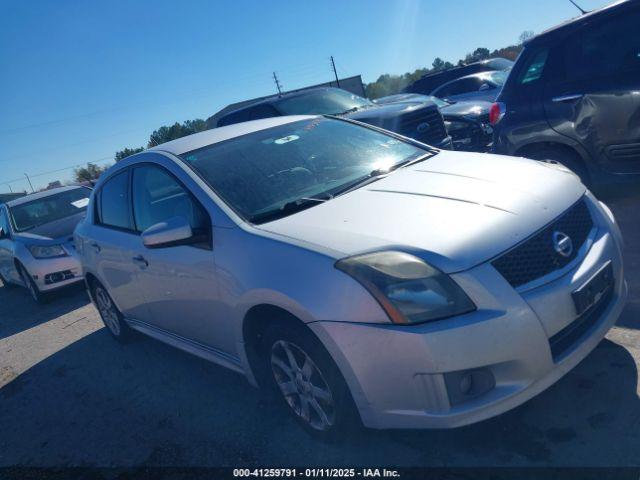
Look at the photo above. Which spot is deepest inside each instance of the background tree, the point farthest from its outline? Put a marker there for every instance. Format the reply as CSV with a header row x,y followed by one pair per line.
x,y
524,36
127,152
88,173
177,130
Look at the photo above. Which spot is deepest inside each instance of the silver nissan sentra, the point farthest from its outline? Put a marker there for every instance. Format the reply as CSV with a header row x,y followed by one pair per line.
x,y
355,274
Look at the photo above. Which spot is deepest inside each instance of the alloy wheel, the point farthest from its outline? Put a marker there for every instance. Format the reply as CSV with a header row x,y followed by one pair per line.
x,y
107,310
303,386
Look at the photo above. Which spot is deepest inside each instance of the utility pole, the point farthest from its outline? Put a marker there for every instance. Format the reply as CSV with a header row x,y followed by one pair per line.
x,y
333,65
275,79
29,180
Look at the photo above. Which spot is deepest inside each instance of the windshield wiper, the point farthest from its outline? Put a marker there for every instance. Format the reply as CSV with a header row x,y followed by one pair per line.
x,y
378,173
371,177
288,208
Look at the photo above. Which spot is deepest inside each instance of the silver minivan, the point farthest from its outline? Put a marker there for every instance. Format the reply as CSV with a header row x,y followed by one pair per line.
x,y
355,274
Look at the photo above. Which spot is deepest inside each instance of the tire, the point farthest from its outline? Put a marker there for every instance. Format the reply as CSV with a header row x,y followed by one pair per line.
x,y
5,283
34,291
565,158
309,386
111,317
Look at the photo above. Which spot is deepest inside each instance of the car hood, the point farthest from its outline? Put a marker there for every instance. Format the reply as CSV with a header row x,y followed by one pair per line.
x,y
455,210
467,109
56,232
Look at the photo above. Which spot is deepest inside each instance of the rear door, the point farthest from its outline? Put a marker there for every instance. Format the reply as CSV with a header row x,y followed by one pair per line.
x,y
596,101
111,244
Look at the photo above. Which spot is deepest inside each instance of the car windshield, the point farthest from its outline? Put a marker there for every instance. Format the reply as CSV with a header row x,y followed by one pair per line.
x,y
35,213
261,173
330,101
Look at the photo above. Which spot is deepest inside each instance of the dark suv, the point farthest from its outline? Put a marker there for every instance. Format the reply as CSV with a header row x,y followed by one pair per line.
x,y
574,96
421,121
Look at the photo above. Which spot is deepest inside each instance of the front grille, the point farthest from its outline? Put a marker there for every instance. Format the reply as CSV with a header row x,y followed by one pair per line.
x,y
433,134
536,256
563,341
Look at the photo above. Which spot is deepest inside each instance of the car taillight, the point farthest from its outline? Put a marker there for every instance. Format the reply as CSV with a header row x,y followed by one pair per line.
x,y
496,112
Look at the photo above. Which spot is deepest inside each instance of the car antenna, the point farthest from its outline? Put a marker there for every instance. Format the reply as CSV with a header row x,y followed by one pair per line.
x,y
583,11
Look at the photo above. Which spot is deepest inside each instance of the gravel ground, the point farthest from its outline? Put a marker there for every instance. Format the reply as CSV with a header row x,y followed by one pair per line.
x,y
71,396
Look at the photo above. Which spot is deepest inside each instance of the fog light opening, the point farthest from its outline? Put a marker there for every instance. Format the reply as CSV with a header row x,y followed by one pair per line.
x,y
466,385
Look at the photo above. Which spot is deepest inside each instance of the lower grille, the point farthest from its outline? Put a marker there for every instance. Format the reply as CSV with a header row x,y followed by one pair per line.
x,y
537,256
570,335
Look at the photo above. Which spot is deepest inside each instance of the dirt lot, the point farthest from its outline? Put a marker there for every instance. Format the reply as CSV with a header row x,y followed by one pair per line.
x,y
71,396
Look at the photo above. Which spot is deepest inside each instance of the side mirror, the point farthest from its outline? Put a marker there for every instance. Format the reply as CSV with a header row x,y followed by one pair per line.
x,y
3,234
172,232
484,87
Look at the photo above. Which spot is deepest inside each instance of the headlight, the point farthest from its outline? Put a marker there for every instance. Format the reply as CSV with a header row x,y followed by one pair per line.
x,y
48,251
453,126
409,289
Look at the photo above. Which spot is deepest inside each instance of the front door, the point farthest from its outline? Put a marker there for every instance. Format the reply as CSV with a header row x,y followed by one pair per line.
x,y
178,282
597,99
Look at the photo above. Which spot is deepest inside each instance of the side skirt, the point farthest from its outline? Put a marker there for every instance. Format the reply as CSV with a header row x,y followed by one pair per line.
x,y
203,351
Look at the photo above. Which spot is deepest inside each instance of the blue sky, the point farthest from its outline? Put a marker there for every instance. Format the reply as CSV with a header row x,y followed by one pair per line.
x,y
83,79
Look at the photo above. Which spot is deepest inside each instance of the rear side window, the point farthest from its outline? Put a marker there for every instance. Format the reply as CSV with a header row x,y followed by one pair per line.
x,y
610,48
534,67
157,197
114,205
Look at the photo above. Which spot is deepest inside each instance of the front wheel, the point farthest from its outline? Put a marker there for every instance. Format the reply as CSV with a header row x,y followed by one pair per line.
x,y
306,379
34,291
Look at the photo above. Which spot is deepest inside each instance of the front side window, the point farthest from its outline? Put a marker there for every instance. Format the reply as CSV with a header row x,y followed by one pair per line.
x,y
330,101
33,214
610,48
114,205
259,174
157,197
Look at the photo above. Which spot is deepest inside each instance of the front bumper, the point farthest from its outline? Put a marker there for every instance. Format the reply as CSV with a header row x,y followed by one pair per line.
x,y
397,374
53,273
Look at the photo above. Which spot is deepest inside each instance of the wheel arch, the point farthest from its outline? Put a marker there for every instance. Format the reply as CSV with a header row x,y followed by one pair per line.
x,y
255,323
563,150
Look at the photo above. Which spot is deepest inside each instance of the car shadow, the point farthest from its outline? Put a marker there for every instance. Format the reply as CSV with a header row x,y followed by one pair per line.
x,y
18,311
101,403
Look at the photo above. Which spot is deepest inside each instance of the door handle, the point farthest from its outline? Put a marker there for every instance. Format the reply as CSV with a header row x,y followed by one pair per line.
x,y
567,98
139,259
96,247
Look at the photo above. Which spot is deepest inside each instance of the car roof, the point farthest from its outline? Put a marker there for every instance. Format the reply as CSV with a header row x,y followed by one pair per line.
x,y
39,195
578,21
220,134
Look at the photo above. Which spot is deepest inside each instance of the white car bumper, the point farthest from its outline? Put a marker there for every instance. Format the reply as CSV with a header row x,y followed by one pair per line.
x,y
407,376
